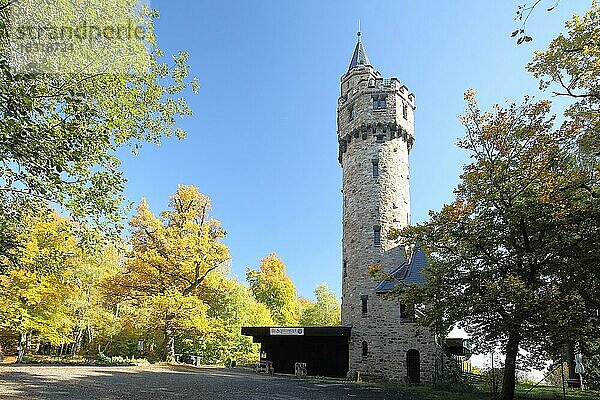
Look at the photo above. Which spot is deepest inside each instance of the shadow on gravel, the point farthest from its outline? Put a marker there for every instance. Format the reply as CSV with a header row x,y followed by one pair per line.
x,y
161,383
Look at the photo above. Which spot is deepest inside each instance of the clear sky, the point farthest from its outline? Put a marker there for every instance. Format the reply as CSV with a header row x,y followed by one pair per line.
x,y
262,141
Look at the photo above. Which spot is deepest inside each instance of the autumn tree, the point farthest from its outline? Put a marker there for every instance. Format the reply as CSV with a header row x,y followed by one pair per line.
x,y
275,289
171,256
50,293
501,253
326,311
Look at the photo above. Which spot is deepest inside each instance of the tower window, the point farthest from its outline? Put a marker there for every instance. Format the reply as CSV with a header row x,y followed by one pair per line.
x,y
406,313
365,349
375,168
404,110
377,235
379,139
379,102
344,270
364,298
350,113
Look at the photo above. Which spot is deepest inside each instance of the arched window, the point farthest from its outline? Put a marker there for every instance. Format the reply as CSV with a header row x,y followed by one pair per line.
x,y
365,349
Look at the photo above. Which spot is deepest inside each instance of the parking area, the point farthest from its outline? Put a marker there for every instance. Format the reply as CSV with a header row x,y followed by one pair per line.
x,y
80,382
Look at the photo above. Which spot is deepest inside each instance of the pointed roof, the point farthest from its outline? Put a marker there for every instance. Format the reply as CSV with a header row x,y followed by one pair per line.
x,y
360,55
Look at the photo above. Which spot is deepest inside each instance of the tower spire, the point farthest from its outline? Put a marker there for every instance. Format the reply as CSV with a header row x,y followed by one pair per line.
x,y
360,55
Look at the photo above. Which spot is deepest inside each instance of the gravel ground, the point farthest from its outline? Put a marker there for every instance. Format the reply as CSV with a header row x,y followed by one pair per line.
x,y
33,382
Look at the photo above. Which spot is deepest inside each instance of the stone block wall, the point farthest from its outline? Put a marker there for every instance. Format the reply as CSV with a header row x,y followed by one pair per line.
x,y
374,202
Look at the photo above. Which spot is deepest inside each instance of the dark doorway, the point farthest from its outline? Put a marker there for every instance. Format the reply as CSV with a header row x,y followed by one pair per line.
x,y
413,366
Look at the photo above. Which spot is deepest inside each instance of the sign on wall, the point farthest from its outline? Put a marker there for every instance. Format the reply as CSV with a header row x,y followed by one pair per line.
x,y
287,331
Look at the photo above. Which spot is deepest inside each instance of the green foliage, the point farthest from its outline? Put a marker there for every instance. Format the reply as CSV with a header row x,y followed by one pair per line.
x,y
274,288
570,67
326,311
61,132
591,361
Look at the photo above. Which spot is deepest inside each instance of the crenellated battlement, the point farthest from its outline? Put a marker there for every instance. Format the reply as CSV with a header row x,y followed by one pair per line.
x,y
378,132
373,108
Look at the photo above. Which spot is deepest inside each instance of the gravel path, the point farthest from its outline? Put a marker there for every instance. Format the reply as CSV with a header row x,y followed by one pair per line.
x,y
93,383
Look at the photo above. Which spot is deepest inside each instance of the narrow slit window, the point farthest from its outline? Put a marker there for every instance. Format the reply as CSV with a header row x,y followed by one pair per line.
x,y
345,272
377,235
375,168
404,110
365,349
350,113
364,300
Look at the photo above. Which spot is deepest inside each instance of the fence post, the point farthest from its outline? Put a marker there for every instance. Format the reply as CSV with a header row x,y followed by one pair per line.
x,y
562,375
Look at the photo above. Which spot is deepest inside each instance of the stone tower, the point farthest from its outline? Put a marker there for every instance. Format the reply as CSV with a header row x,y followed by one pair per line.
x,y
375,119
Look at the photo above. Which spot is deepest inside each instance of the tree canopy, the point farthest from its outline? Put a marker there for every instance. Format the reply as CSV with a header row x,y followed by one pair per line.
x,y
60,132
170,258
274,288
326,311
502,255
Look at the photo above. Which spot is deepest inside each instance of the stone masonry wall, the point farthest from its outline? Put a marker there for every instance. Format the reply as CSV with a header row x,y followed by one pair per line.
x,y
367,136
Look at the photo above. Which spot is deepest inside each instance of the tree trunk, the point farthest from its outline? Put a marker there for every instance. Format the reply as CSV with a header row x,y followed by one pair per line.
x,y
77,344
510,366
169,342
21,347
571,361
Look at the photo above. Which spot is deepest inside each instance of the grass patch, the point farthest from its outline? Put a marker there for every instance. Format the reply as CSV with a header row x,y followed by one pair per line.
x,y
554,393
539,393
81,361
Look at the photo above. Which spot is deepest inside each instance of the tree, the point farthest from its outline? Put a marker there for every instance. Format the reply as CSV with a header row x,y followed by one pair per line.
x,y
170,258
523,13
501,253
274,288
231,305
570,66
34,295
60,132
326,311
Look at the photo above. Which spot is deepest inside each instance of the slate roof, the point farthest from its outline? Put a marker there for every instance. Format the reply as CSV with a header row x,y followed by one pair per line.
x,y
360,55
407,272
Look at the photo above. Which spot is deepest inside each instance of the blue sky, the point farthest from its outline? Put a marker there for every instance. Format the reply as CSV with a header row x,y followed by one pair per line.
x,y
262,141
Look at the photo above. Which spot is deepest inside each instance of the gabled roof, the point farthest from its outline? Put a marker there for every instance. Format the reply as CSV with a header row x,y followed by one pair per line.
x,y
407,272
360,55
